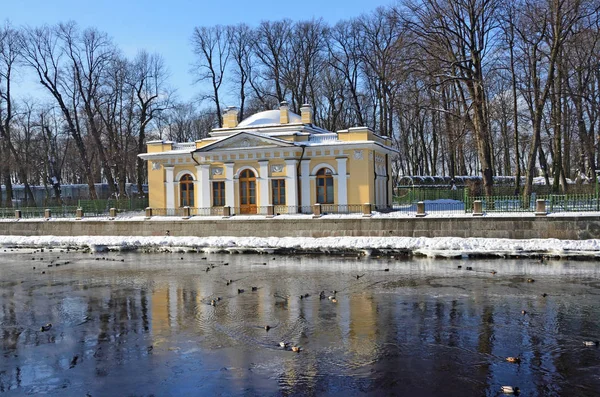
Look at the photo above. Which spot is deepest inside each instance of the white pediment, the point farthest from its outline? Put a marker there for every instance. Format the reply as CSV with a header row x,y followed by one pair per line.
x,y
245,140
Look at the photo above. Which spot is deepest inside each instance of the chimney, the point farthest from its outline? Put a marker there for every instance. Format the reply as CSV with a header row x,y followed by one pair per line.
x,y
284,113
230,117
306,112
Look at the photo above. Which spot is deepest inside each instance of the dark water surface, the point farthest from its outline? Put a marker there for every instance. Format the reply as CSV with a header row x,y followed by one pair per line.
x,y
145,326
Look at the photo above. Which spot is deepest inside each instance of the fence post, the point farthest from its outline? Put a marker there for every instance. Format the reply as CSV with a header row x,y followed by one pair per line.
x,y
47,213
79,213
112,213
477,208
317,210
148,212
366,210
540,207
18,214
270,211
420,209
226,212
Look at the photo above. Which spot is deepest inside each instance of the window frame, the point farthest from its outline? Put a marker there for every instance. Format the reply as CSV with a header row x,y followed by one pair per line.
x,y
218,193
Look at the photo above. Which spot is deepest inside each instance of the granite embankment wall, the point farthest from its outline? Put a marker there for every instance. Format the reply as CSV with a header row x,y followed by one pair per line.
x,y
563,227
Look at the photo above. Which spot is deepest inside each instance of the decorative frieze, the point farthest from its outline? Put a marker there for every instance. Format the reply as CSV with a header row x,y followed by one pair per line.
x,y
277,168
358,155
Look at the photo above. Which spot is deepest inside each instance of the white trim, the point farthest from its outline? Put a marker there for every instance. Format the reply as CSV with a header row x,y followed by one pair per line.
x,y
204,188
229,186
263,183
181,173
170,186
342,189
323,165
305,182
246,167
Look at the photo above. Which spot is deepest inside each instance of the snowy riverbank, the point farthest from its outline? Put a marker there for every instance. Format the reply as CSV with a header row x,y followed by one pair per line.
x,y
418,246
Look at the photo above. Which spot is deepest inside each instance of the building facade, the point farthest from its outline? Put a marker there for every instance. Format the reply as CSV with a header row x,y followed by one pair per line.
x,y
272,158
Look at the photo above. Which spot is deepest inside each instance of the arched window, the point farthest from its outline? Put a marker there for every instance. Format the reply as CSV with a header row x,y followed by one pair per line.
x,y
186,191
324,186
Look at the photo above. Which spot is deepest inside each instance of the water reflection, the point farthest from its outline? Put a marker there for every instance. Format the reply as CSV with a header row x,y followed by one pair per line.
x,y
146,326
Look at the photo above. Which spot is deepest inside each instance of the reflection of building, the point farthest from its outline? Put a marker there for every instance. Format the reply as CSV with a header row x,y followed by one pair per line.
x,y
363,325
274,157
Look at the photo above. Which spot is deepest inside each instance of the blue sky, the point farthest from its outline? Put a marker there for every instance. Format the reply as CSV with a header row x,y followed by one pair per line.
x,y
166,26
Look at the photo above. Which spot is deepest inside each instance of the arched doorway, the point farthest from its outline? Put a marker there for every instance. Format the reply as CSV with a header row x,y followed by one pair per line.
x,y
186,191
247,192
324,186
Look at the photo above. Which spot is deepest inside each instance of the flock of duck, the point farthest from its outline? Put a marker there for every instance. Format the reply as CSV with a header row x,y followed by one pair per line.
x,y
332,297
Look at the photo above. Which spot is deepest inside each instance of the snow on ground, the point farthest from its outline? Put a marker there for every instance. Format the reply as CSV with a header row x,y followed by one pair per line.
x,y
434,247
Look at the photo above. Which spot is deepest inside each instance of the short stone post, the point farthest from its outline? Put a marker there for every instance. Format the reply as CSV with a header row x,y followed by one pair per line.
x,y
47,213
270,211
420,209
366,210
477,208
112,213
540,207
148,212
79,213
18,214
186,213
317,210
226,212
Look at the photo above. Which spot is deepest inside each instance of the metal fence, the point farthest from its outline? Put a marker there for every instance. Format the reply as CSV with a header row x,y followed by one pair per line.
x,y
491,204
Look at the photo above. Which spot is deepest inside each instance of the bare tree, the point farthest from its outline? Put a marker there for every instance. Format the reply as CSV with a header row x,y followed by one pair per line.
x,y
43,52
211,47
458,35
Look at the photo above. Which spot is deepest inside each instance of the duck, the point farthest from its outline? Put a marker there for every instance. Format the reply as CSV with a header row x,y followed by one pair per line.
x,y
544,295
306,295
296,349
493,272
334,300
267,328
254,288
523,312
509,390
213,302
591,343
240,290
322,295
386,270
469,268
331,297
46,327
515,360
359,276
283,344
530,280
459,267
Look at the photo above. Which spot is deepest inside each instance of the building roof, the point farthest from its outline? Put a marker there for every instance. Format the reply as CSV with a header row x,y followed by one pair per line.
x,y
268,117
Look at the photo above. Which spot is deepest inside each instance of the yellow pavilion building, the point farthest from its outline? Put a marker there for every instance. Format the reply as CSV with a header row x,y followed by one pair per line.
x,y
273,159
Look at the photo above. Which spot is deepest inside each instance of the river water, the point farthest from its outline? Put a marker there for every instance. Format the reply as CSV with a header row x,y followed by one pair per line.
x,y
133,324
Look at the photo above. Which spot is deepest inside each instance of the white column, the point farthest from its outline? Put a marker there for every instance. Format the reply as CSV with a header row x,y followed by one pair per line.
x,y
342,181
263,173
305,182
229,190
291,180
203,186
170,186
